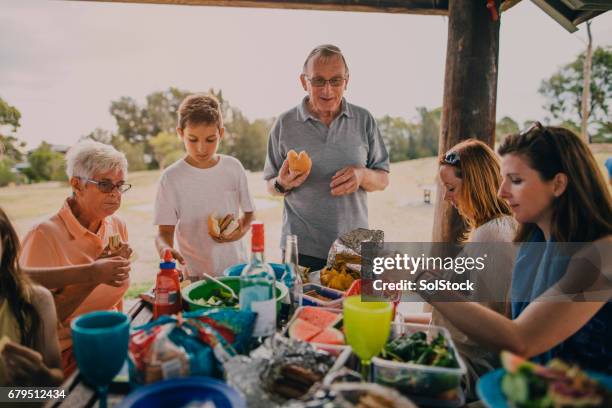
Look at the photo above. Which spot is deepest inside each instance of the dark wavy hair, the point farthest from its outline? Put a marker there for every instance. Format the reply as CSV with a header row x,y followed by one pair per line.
x,y
583,213
15,286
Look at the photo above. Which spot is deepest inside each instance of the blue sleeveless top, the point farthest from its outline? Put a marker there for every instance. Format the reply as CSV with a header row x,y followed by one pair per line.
x,y
539,267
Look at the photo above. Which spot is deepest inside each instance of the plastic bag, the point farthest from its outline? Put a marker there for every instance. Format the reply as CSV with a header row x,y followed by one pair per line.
x,y
194,344
347,248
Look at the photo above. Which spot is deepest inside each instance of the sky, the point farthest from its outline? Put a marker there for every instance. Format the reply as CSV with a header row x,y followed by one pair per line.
x,y
63,62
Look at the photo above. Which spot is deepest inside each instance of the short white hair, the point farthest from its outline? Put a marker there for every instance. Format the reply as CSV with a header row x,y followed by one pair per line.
x,y
87,158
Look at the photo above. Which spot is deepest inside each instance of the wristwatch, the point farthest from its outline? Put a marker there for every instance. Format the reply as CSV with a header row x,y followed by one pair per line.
x,y
280,188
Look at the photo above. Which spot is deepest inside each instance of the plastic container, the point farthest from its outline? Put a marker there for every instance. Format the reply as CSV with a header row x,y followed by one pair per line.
x,y
235,270
336,296
204,288
179,392
333,349
416,379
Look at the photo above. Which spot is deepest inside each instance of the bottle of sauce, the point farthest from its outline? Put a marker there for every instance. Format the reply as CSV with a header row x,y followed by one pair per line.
x,y
167,288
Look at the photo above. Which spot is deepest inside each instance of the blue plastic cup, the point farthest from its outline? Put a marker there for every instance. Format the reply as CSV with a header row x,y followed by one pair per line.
x,y
100,343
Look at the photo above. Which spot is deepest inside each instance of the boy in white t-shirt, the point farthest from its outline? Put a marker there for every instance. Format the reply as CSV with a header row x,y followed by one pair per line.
x,y
201,184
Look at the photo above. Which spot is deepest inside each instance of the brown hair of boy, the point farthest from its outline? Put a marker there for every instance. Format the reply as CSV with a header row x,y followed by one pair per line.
x,y
199,109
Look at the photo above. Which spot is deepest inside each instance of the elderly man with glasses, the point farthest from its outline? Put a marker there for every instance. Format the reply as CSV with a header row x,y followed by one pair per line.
x,y
348,155
81,252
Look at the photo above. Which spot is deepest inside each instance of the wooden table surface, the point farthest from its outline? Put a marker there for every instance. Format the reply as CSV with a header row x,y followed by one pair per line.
x,y
80,395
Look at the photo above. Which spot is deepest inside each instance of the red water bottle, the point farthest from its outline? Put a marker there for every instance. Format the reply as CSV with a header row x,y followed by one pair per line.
x,y
167,288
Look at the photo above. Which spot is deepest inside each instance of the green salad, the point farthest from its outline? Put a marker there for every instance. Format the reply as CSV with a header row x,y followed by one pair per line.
x,y
219,297
416,349
529,385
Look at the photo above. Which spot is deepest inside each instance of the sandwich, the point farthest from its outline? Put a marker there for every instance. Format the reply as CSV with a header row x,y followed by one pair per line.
x,y
114,242
222,227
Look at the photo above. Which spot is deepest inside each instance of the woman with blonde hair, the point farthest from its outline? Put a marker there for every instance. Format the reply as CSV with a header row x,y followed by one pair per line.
x,y
470,175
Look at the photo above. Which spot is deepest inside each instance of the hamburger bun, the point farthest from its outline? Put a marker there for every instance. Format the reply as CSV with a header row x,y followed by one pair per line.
x,y
299,163
213,226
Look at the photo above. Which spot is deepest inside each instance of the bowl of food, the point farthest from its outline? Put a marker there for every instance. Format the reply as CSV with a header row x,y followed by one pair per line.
x,y
320,326
209,294
185,392
234,270
317,295
420,360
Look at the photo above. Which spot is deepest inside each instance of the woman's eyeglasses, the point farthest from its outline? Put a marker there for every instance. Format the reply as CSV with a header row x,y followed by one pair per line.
x,y
108,187
451,158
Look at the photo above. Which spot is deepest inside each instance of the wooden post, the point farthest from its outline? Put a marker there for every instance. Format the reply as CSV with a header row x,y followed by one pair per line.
x,y
470,92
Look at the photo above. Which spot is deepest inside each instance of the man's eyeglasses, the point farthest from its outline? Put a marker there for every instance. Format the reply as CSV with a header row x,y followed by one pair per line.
x,y
108,187
451,158
320,82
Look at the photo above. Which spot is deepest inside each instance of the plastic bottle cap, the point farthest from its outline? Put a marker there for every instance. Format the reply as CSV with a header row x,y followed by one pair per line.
x,y
167,262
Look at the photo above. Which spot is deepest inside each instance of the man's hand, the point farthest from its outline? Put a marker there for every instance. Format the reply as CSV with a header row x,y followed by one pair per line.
x,y
290,180
111,271
346,181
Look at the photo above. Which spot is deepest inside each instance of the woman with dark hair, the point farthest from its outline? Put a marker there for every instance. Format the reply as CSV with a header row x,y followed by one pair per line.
x,y
30,351
558,195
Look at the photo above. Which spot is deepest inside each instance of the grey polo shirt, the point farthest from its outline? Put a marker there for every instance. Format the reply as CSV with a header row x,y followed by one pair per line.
x,y
310,211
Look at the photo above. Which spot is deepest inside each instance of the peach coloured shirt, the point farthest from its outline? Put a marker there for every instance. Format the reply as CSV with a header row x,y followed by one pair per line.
x,y
63,241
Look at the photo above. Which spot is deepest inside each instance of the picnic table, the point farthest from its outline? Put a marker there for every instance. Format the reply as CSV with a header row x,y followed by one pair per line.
x,y
79,394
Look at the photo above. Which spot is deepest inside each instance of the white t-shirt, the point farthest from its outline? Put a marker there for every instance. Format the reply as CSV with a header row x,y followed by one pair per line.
x,y
187,195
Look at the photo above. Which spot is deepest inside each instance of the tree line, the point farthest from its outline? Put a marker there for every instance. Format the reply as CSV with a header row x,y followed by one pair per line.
x,y
146,132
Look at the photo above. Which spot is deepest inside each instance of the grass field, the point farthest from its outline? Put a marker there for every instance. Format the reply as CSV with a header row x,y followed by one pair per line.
x,y
399,210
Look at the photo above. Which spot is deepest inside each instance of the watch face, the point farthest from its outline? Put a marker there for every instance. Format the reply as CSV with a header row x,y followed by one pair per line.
x,y
278,187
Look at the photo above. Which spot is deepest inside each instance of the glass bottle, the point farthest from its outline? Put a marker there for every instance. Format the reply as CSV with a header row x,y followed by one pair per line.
x,y
293,278
258,286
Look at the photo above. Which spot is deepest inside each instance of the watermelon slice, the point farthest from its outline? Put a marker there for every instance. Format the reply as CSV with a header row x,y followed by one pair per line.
x,y
319,317
329,336
512,363
302,330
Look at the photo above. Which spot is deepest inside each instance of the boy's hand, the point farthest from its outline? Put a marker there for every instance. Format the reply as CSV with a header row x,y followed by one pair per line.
x,y
236,235
290,180
175,254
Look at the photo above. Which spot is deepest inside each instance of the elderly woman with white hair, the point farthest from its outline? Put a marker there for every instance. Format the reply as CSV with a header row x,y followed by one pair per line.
x,y
81,252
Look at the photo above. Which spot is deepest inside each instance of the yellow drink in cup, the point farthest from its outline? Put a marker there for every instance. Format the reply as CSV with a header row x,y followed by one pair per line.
x,y
367,326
